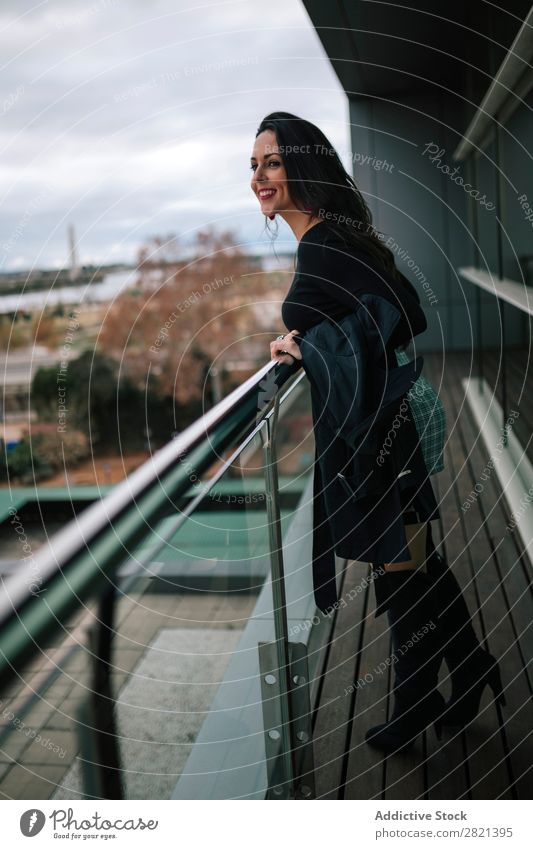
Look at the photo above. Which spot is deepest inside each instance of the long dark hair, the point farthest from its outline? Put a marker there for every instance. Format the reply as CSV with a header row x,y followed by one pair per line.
x,y
318,181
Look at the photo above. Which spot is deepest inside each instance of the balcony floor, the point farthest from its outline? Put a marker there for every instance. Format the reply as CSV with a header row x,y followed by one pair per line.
x,y
493,757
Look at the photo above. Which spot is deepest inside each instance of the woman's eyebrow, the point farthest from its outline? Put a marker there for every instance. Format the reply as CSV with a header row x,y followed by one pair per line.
x,y
274,153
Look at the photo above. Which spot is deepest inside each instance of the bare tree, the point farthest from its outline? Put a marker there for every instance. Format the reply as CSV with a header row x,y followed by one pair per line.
x,y
194,309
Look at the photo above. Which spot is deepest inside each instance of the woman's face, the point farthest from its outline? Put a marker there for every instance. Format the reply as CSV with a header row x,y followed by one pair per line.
x,y
269,178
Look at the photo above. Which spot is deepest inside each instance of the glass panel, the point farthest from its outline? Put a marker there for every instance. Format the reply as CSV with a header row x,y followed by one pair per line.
x,y
193,606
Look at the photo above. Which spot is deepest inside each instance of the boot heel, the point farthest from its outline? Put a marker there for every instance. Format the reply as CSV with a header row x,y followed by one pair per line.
x,y
495,683
437,725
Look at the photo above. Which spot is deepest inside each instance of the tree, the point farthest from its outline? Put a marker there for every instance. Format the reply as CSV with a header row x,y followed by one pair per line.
x,y
105,405
191,310
44,393
90,385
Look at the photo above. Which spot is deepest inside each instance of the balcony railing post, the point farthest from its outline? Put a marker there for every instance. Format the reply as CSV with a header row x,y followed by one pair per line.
x,y
279,602
283,665
99,739
499,216
473,174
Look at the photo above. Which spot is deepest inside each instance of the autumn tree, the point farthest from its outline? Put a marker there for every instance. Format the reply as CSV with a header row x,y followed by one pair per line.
x,y
193,309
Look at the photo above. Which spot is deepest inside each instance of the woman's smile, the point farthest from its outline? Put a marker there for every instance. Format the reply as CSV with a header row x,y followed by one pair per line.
x,y
266,193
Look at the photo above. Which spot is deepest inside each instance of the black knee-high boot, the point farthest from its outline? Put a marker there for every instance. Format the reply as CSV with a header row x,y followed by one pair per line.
x,y
413,613
470,665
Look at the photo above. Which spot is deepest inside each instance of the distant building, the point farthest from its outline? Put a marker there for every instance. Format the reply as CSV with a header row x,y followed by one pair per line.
x,y
74,266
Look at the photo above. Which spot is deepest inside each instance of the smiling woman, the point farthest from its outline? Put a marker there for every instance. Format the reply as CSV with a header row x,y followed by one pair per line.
x,y
343,264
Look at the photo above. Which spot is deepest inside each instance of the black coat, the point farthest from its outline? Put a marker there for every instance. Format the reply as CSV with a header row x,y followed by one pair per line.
x,y
367,446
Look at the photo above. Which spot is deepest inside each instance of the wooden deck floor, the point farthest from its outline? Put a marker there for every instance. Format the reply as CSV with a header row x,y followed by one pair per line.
x,y
493,757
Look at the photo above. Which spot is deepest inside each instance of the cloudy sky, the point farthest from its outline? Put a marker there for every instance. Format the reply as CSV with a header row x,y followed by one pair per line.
x,y
132,119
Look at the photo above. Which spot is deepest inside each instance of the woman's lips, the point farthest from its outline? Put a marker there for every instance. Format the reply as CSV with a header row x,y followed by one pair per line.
x,y
265,194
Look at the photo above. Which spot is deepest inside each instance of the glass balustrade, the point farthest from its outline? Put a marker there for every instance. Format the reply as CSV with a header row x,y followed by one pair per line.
x,y
189,675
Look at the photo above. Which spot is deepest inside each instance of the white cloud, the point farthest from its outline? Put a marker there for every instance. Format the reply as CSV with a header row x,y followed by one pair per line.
x,y
146,114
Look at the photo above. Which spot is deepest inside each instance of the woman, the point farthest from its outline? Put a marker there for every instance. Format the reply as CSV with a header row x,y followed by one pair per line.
x,y
297,174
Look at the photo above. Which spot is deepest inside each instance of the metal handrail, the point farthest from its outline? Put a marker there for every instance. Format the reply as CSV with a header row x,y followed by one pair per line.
x,y
69,570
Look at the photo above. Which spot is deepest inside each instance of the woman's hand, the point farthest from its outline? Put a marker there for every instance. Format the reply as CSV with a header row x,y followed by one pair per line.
x,y
285,350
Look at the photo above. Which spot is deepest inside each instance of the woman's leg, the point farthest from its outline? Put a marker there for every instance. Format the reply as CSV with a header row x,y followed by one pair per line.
x,y
406,592
416,534
399,567
470,664
412,612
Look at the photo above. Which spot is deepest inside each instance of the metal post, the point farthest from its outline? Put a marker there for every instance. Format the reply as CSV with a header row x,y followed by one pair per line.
x,y
279,601
301,722
499,213
98,730
475,235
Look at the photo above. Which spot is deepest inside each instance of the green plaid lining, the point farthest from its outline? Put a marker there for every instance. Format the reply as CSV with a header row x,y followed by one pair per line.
x,y
429,417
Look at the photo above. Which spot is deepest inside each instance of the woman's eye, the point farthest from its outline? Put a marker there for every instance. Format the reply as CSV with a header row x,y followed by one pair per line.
x,y
273,162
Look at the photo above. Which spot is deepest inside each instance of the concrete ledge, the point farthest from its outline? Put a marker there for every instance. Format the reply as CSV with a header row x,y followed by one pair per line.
x,y
512,466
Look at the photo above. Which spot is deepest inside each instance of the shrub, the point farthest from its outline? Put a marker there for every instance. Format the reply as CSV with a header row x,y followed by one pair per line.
x,y
41,454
